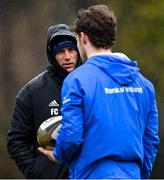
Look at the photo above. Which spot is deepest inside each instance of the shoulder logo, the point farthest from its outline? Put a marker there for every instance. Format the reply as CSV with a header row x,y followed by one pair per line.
x,y
53,103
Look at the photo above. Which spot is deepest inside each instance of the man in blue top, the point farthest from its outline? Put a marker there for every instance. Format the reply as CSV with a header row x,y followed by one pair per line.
x,y
110,119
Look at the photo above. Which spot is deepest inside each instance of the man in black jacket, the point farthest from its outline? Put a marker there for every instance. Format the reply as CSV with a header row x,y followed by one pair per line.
x,y
39,100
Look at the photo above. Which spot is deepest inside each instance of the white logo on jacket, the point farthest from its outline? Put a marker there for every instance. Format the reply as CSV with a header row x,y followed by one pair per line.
x,y
123,90
53,103
54,111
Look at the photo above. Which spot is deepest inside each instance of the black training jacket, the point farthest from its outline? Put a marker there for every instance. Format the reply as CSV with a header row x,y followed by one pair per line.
x,y
38,100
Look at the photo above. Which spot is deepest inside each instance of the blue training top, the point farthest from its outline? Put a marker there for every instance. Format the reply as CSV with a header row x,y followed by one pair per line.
x,y
110,120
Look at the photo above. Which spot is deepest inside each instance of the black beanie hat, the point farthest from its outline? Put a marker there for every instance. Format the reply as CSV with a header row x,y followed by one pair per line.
x,y
63,42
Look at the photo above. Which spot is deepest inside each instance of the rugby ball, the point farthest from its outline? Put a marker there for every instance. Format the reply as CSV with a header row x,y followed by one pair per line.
x,y
48,131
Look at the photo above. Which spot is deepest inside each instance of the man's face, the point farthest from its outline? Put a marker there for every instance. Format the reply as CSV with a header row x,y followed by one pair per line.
x,y
67,58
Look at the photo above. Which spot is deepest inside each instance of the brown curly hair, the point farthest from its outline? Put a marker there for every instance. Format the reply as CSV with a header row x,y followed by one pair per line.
x,y
99,23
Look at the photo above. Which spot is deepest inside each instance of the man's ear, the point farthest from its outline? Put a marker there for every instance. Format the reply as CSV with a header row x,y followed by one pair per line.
x,y
83,38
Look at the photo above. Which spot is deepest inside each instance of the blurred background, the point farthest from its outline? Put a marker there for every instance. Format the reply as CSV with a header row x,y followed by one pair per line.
x,y
23,36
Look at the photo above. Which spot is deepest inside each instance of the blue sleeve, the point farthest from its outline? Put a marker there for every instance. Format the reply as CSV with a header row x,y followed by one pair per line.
x,y
151,141
71,133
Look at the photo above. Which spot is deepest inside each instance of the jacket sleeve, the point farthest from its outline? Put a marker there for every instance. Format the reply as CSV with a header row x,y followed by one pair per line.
x,y
71,133
151,141
21,133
